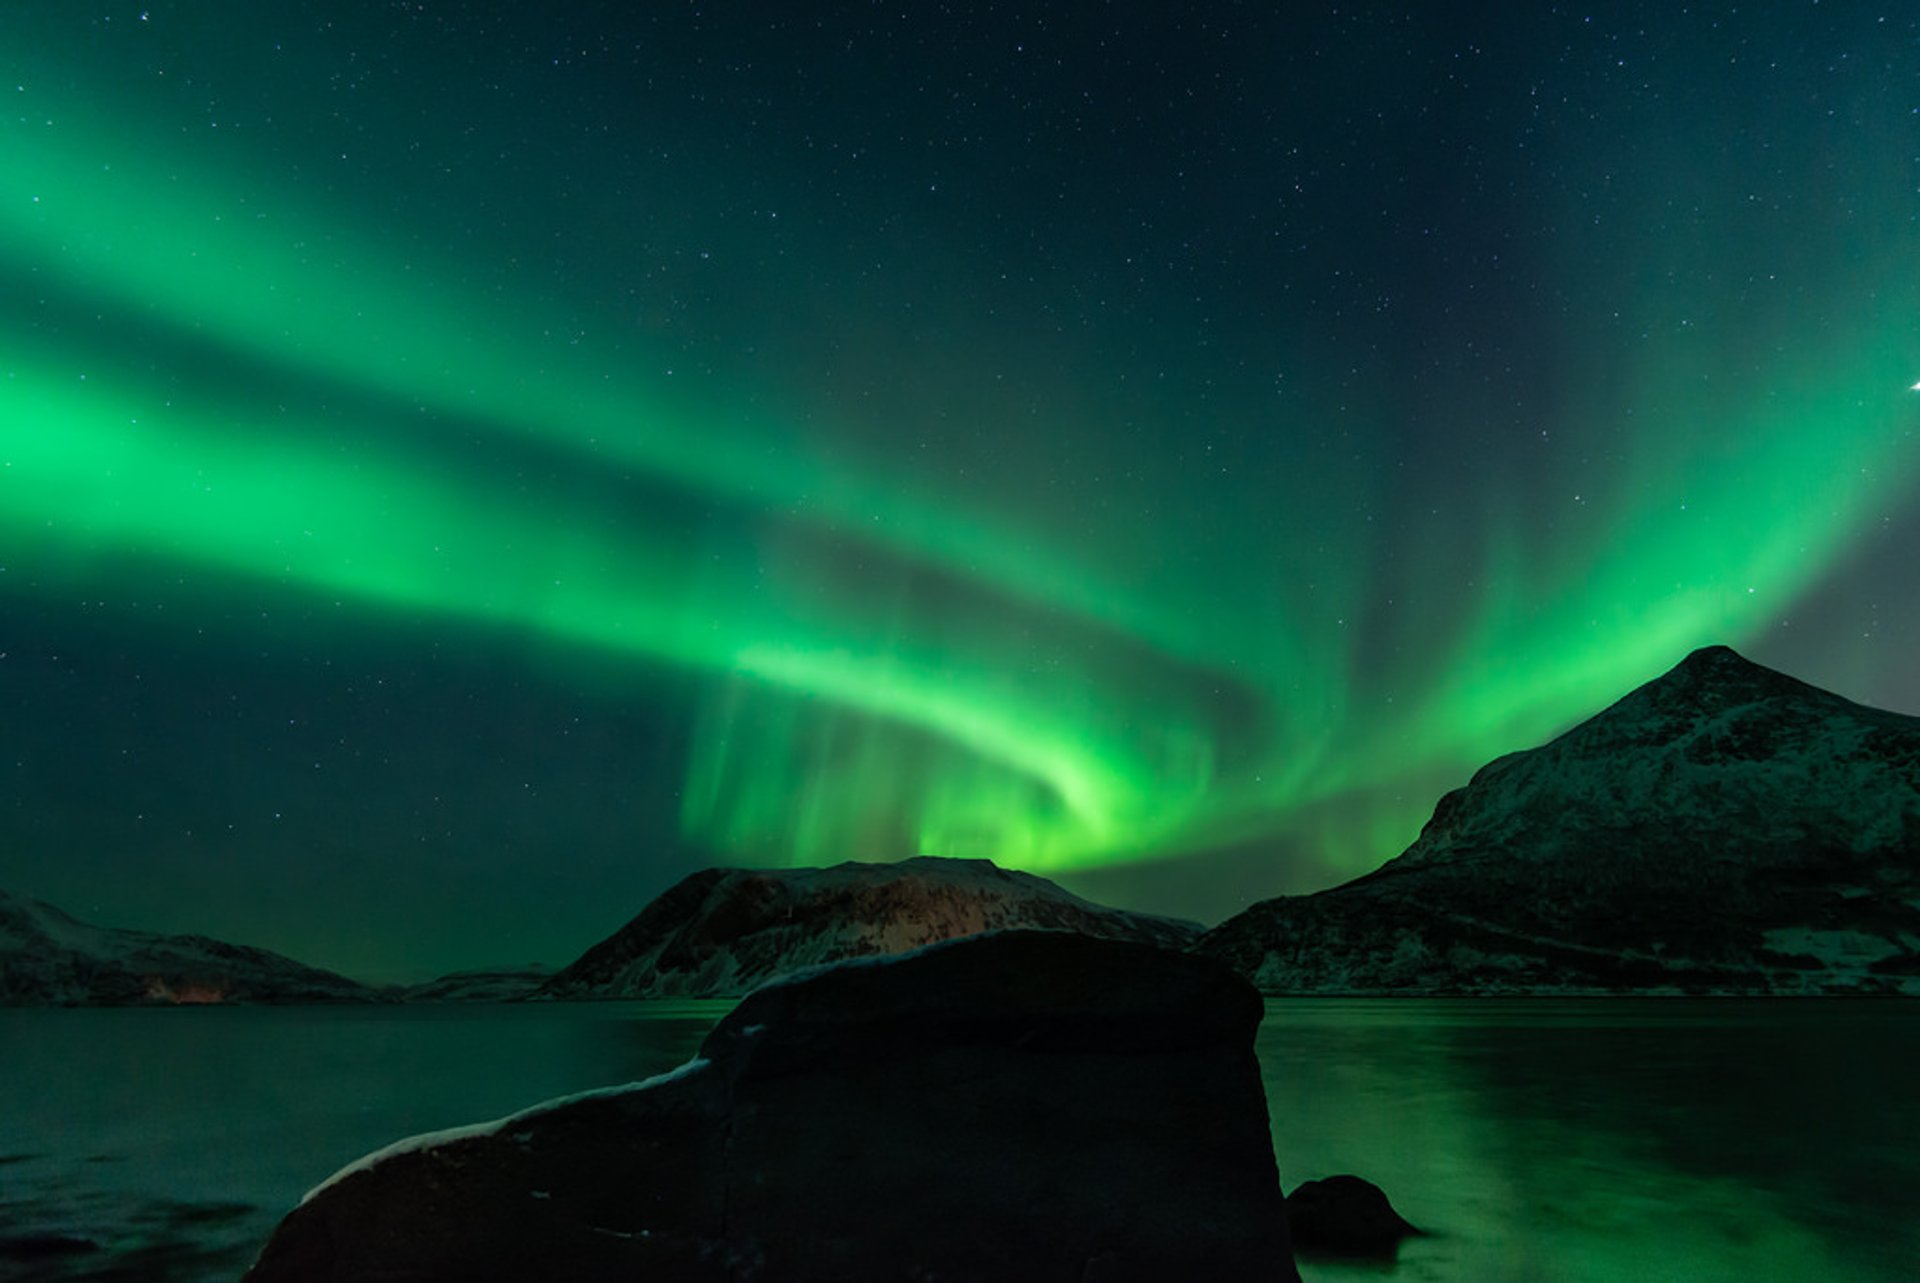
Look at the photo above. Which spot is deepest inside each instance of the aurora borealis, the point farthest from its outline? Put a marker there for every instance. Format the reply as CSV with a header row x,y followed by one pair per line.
x,y
464,465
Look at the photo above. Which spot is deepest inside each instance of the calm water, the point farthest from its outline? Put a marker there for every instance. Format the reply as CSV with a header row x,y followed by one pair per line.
x,y
1540,1140
1591,1140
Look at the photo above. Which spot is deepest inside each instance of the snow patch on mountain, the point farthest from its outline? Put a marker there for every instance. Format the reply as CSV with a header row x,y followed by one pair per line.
x,y
1833,948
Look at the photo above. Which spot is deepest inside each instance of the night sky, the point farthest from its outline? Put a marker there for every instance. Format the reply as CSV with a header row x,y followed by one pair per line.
x,y
464,466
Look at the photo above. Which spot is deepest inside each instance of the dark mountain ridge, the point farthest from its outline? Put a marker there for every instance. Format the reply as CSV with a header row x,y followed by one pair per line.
x,y
1722,829
721,932
50,958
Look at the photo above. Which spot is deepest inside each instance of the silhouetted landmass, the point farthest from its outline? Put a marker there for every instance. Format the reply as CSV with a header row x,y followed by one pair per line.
x,y
1722,829
50,958
720,932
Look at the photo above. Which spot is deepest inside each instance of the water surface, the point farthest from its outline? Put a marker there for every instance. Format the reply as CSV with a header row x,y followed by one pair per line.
x,y
1584,1141
176,1138
1613,1141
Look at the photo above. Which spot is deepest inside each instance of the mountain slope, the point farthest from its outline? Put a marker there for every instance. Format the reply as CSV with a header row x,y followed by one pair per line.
x,y
50,958
496,984
1724,828
721,932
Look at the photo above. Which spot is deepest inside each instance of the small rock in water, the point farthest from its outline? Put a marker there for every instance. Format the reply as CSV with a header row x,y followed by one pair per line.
x,y
44,1247
1346,1216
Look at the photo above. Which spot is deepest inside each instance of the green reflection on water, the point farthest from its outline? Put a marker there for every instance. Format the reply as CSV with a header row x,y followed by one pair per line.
x,y
1604,1141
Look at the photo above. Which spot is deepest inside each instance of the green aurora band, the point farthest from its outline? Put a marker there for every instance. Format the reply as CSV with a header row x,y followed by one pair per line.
x,y
887,668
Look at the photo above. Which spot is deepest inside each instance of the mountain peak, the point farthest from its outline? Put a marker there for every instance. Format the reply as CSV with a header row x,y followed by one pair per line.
x,y
1722,828
1715,658
720,932
1723,666
1708,683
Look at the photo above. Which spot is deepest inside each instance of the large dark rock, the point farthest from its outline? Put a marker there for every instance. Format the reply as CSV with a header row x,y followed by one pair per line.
x,y
1722,829
1345,1216
723,932
1018,1105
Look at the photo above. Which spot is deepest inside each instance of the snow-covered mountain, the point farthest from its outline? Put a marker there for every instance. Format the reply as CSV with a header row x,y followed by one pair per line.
x,y
721,932
1724,828
50,958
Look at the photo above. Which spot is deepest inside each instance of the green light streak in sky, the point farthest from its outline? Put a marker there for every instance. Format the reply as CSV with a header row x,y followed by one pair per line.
x,y
1707,548
90,471
134,223
855,722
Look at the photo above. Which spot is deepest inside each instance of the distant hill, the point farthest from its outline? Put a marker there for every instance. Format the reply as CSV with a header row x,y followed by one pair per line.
x,y
50,958
1722,829
498,984
721,932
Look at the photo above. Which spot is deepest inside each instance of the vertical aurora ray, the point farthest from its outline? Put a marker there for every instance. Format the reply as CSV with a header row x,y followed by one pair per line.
x,y
1715,548
1746,368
